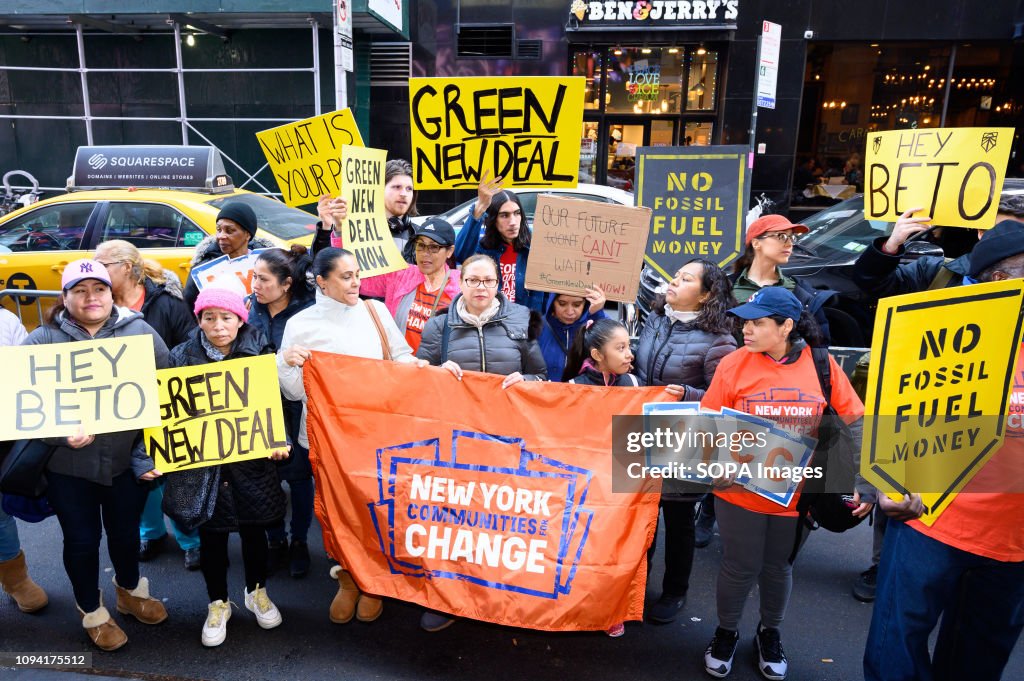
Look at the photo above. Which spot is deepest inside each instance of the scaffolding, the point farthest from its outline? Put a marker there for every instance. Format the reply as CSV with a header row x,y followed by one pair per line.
x,y
188,129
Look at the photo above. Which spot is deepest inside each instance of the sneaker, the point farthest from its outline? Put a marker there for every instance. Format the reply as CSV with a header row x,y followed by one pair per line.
x,y
215,629
703,528
616,630
434,621
277,556
259,603
864,587
151,548
192,559
721,650
771,658
666,608
298,558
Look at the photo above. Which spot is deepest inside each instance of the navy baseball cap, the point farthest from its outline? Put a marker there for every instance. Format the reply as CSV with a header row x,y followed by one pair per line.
x,y
771,300
438,230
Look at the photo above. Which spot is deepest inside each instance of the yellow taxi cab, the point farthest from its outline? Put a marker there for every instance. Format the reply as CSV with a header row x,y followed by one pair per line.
x,y
164,200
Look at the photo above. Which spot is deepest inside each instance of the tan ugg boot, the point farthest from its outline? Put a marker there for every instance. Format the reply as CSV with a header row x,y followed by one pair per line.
x,y
102,628
369,608
15,580
139,604
343,607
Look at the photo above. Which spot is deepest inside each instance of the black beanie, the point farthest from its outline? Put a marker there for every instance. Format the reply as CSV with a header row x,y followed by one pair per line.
x,y
240,213
1003,241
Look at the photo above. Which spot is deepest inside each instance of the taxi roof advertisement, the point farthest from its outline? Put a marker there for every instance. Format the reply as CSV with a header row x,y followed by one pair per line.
x,y
149,166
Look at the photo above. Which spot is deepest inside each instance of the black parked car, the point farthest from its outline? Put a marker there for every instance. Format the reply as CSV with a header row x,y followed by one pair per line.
x,y
825,256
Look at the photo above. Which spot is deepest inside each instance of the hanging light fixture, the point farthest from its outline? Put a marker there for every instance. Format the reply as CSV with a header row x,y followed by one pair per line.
x,y
190,40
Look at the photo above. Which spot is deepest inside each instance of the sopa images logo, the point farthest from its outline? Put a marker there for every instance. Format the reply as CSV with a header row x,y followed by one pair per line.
x,y
97,161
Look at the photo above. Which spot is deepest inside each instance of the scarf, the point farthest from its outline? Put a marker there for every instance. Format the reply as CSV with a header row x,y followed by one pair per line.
x,y
477,320
681,317
211,352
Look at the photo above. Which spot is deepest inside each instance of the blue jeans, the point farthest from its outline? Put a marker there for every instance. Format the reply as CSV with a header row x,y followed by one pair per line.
x,y
151,525
81,505
10,545
980,600
302,512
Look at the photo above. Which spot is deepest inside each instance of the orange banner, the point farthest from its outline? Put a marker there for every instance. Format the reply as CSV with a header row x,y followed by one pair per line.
x,y
485,503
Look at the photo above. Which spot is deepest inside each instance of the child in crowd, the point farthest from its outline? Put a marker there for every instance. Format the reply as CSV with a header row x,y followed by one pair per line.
x,y
246,496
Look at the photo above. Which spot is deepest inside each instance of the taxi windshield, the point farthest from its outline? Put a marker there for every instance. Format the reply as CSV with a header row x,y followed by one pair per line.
x,y
273,216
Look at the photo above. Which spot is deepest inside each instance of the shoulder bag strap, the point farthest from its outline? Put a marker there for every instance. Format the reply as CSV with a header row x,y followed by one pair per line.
x,y
384,345
942,278
824,370
446,332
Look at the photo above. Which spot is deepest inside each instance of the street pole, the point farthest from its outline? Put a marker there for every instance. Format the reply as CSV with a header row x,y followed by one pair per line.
x,y
342,35
752,133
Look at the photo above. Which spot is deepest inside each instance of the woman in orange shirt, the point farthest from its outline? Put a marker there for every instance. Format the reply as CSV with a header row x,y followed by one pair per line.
x,y
773,374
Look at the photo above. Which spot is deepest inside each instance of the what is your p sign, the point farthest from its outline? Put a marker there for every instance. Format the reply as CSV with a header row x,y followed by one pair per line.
x,y
93,387
953,174
305,156
217,413
525,130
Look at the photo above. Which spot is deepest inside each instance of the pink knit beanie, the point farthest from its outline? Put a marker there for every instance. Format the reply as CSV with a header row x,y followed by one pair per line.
x,y
223,298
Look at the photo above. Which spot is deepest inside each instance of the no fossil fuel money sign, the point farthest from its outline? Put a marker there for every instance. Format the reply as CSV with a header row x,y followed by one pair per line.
x,y
938,389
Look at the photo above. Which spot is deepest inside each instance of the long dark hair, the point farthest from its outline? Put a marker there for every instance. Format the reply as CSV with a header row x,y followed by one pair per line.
x,y
591,337
492,240
294,263
745,260
712,316
806,328
399,166
323,263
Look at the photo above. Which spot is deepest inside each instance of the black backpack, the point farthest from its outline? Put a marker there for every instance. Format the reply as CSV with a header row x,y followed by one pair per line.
x,y
834,454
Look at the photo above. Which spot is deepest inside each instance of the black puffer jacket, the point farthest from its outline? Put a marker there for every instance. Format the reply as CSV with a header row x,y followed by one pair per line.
x,y
110,454
880,274
247,492
674,352
207,249
503,346
165,310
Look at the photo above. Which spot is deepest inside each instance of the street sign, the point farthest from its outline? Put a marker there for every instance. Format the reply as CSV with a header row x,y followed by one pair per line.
x,y
768,67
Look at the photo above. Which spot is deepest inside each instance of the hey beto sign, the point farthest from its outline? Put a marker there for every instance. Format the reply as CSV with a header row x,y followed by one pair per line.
x,y
632,12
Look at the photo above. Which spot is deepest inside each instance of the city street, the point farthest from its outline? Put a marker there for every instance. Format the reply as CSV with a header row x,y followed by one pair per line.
x,y
823,635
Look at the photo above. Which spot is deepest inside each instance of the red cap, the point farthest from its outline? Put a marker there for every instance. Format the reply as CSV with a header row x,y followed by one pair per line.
x,y
772,223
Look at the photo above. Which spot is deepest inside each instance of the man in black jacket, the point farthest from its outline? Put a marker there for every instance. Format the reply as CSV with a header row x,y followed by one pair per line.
x,y
879,273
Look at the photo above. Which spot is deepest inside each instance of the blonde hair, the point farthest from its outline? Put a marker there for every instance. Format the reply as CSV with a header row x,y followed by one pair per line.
x,y
142,268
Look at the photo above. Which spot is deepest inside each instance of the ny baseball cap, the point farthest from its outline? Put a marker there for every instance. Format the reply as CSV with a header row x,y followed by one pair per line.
x,y
80,270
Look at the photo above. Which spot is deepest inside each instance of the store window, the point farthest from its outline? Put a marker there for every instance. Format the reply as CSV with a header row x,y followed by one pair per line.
x,y
702,80
644,80
588,65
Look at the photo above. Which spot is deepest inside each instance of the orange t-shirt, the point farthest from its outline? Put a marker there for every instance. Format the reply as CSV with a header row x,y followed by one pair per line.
x,y
138,303
754,383
987,517
423,307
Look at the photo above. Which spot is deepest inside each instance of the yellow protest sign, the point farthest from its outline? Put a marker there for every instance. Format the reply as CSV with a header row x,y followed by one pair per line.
x,y
939,388
579,244
96,386
366,231
955,174
526,130
217,413
305,156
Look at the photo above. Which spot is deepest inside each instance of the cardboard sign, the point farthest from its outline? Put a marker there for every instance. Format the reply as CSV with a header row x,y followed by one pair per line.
x,y
697,196
526,130
224,272
97,386
217,413
942,368
498,507
579,243
305,156
954,174
366,231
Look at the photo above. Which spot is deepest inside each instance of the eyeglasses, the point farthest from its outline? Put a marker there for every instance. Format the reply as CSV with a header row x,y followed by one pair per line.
x,y
505,215
781,237
428,248
108,265
473,282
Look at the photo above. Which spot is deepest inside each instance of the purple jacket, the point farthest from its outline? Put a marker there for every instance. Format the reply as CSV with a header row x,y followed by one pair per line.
x,y
398,289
